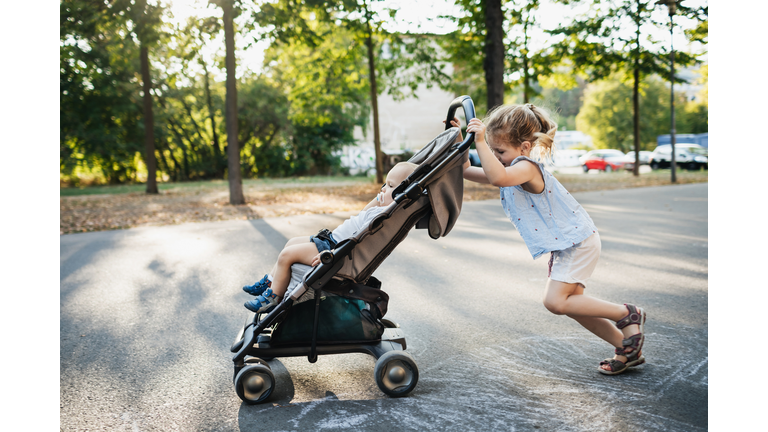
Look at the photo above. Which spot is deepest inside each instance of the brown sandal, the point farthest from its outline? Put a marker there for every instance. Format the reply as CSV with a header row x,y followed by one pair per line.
x,y
636,315
616,366
631,363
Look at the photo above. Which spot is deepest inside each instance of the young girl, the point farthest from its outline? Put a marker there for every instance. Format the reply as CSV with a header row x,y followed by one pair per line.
x,y
271,288
550,220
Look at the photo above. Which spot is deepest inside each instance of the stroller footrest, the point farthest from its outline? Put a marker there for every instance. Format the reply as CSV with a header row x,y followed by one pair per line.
x,y
394,335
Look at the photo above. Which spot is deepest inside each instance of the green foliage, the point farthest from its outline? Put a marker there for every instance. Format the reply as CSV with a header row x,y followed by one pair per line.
x,y
606,40
565,103
528,65
264,127
100,115
326,91
607,114
410,61
465,49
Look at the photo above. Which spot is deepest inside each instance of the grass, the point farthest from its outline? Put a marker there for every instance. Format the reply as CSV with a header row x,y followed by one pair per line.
x,y
207,185
99,208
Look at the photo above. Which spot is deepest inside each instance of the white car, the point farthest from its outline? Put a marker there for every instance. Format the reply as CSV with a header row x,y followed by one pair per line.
x,y
629,159
690,156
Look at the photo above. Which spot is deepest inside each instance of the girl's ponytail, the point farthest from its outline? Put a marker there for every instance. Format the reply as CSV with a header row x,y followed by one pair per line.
x,y
544,140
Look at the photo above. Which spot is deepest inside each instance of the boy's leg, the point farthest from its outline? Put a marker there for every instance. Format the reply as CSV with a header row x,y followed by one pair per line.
x,y
301,253
291,242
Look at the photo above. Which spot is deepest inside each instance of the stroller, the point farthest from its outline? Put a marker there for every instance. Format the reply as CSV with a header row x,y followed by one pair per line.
x,y
338,307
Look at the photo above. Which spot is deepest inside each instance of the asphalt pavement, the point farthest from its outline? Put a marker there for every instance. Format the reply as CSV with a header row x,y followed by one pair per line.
x,y
147,316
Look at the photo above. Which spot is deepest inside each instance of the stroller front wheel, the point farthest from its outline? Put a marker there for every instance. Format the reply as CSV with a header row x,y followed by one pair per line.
x,y
254,383
396,373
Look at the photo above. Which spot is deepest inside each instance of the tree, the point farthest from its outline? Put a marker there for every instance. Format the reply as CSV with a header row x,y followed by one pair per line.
x,y
146,20
607,114
233,148
529,64
324,82
100,112
478,44
494,52
598,45
292,20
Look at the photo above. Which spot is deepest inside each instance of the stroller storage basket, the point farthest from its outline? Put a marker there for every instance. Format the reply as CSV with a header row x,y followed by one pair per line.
x,y
346,316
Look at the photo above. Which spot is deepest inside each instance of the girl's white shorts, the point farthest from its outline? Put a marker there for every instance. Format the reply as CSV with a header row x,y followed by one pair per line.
x,y
575,264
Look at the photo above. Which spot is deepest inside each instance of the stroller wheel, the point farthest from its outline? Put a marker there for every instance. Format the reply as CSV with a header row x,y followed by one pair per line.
x,y
396,373
389,324
257,360
254,383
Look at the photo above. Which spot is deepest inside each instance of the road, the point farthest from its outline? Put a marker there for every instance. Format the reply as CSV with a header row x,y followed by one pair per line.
x,y
147,316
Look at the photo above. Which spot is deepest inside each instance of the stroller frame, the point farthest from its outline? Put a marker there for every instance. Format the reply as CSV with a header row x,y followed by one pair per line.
x,y
396,373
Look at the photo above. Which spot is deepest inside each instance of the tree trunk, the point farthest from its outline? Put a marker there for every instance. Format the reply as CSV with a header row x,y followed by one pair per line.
x,y
233,148
636,97
374,104
149,124
524,52
494,53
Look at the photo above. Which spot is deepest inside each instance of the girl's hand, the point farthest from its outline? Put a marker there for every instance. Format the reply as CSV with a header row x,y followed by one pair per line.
x,y
316,260
476,125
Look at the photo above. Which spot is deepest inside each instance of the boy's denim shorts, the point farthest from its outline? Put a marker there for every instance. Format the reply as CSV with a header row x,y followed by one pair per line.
x,y
576,264
323,240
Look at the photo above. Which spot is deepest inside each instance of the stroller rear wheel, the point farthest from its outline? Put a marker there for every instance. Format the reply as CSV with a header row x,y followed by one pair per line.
x,y
396,373
254,383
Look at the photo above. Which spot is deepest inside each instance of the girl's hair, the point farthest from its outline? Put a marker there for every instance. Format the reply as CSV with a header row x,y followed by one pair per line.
x,y
513,124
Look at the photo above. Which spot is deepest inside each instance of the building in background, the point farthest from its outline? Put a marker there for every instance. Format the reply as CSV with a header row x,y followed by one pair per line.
x,y
404,127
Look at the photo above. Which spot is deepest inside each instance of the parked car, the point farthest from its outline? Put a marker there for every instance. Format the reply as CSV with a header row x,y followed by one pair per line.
x,y
567,158
629,159
690,156
604,160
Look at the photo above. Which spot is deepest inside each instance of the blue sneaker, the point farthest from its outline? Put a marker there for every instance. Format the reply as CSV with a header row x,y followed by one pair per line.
x,y
263,303
259,287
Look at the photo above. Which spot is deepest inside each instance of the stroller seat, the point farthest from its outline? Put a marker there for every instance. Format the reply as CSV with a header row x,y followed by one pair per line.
x,y
338,306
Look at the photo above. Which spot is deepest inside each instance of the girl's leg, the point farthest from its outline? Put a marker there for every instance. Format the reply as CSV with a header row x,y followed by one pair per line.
x,y
301,253
597,316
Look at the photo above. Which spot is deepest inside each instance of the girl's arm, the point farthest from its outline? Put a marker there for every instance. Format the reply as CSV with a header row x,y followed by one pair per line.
x,y
496,173
471,173
475,174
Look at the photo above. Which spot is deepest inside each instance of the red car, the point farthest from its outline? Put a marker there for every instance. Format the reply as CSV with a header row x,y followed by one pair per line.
x,y
604,160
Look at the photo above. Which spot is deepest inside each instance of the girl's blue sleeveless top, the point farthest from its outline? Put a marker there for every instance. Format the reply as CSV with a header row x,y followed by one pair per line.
x,y
550,221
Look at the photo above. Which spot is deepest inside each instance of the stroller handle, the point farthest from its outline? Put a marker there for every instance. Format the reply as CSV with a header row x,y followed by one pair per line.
x,y
462,101
465,102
